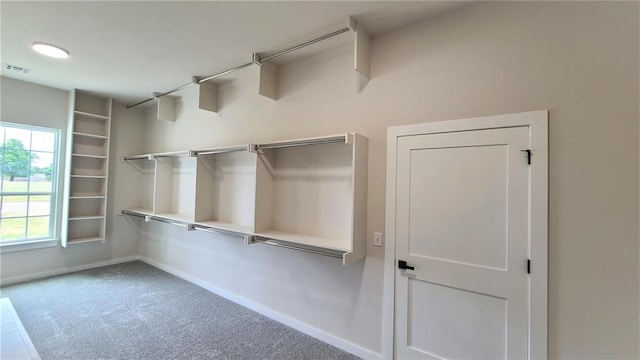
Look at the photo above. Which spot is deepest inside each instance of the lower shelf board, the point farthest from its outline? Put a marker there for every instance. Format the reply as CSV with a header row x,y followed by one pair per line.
x,y
84,240
316,241
93,217
235,228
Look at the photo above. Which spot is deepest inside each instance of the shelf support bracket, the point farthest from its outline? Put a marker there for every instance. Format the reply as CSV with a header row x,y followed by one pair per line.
x,y
166,107
268,86
362,41
207,95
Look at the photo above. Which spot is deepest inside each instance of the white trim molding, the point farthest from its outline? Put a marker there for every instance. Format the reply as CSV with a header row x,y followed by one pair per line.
x,y
266,311
66,270
537,121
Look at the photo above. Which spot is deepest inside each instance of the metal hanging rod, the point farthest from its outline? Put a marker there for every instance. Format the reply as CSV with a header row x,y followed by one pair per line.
x,y
224,150
138,157
256,61
304,248
300,46
189,153
147,218
222,73
216,230
328,140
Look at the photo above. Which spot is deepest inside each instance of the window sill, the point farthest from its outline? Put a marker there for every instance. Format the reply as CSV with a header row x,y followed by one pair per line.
x,y
28,245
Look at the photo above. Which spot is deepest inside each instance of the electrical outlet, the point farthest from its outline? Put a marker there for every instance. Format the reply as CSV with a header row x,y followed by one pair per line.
x,y
377,239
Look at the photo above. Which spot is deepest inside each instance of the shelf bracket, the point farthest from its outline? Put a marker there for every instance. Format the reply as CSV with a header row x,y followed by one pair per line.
x,y
167,108
362,43
207,95
268,86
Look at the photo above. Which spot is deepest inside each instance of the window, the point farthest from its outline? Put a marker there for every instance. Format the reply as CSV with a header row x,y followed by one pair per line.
x,y
28,190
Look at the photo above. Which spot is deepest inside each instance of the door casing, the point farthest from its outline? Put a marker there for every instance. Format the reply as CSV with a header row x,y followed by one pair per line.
x,y
537,121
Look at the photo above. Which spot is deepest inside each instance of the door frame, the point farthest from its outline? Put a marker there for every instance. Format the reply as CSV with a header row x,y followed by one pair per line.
x,y
537,121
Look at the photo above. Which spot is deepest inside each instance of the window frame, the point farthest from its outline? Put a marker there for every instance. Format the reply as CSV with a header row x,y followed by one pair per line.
x,y
52,239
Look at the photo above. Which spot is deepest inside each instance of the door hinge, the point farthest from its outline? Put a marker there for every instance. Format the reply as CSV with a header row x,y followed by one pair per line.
x,y
528,266
528,151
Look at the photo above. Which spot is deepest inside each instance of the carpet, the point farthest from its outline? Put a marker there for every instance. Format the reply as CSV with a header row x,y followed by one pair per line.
x,y
136,311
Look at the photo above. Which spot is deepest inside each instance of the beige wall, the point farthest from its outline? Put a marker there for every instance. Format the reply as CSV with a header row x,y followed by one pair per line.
x,y
577,59
31,104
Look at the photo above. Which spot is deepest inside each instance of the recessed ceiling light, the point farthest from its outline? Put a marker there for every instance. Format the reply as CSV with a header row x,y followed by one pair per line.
x,y
50,50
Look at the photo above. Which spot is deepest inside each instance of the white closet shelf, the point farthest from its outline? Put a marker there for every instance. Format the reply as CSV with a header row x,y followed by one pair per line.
x,y
97,217
143,212
91,115
332,139
240,229
90,135
84,240
89,156
88,176
87,197
176,217
296,238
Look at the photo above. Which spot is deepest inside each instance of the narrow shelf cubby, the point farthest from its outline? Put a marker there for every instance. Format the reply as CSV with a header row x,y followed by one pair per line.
x,y
225,188
83,186
174,190
88,165
144,180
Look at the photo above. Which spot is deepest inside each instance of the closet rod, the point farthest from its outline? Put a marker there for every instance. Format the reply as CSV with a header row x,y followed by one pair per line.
x,y
216,231
258,61
174,154
223,150
332,140
136,157
300,46
200,81
159,219
325,252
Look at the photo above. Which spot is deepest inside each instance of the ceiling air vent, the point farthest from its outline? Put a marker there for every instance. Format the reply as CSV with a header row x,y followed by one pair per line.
x,y
15,68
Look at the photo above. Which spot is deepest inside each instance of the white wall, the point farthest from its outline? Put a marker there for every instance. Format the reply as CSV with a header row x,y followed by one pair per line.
x,y
27,103
577,59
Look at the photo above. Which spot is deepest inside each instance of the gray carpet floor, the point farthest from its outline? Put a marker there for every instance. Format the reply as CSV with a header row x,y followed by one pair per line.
x,y
135,311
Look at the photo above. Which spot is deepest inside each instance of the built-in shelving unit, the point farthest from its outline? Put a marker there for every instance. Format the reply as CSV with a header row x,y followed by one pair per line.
x,y
87,166
306,194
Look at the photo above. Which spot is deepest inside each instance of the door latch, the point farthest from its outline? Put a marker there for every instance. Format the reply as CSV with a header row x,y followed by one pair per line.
x,y
403,265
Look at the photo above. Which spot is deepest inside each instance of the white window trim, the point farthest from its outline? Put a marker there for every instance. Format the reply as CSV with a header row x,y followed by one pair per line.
x,y
54,212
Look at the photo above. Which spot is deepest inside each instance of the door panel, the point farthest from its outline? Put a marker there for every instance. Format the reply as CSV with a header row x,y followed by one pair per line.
x,y
453,323
467,225
462,211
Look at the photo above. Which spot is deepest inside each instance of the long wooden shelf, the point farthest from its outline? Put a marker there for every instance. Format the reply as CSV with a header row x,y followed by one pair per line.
x,y
316,241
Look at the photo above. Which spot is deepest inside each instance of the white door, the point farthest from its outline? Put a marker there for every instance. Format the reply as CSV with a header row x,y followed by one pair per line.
x,y
462,223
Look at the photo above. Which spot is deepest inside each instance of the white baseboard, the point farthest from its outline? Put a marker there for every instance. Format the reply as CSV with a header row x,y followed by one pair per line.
x,y
270,313
45,274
